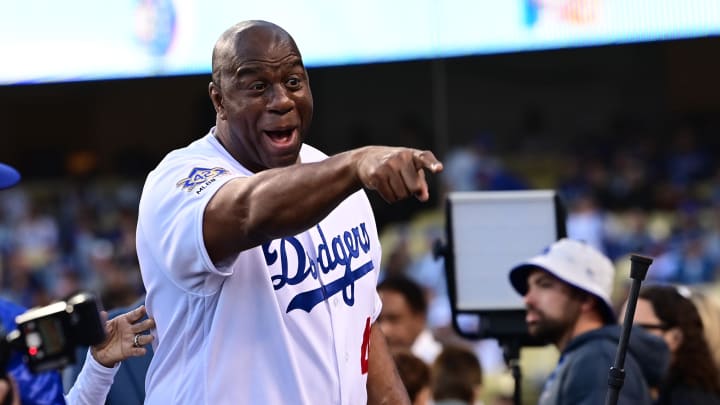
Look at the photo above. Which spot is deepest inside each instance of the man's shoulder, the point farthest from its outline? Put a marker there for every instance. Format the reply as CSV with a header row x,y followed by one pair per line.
x,y
605,338
191,170
585,375
598,347
199,150
590,358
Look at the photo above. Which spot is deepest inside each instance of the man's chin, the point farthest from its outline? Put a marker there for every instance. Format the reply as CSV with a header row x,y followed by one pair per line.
x,y
547,334
538,336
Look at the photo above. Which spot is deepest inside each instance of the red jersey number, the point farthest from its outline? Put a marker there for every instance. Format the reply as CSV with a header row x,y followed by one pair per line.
x,y
365,349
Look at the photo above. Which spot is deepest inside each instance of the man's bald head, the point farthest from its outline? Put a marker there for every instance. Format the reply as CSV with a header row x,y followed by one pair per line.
x,y
246,40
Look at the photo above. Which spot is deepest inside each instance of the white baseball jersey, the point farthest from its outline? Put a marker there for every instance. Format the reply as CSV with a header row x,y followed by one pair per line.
x,y
287,322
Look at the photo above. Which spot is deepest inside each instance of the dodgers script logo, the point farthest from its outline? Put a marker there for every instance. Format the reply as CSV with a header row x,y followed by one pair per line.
x,y
341,251
198,176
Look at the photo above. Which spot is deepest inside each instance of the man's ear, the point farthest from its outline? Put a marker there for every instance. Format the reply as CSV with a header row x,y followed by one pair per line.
x,y
217,100
589,303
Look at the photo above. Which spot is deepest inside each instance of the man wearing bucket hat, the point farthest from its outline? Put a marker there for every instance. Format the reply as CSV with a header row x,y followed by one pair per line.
x,y
566,291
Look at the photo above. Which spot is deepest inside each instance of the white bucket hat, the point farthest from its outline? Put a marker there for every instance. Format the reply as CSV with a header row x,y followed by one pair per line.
x,y
577,264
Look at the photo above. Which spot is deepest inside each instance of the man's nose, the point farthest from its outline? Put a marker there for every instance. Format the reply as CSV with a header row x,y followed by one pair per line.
x,y
280,101
528,299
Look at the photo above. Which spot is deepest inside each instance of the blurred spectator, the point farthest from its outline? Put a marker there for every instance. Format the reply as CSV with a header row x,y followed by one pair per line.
x,y
667,312
460,166
456,377
711,235
628,186
398,259
36,237
686,259
585,222
628,233
598,178
685,262
120,282
474,167
415,375
695,265
403,318
687,161
429,273
571,182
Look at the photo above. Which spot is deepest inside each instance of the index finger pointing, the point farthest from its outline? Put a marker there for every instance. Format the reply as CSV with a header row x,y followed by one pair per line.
x,y
427,160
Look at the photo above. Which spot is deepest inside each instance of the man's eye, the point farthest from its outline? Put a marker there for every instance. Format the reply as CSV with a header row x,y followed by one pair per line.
x,y
293,82
545,284
257,86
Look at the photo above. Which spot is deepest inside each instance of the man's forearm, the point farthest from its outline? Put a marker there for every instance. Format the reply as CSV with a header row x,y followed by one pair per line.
x,y
285,201
276,202
384,385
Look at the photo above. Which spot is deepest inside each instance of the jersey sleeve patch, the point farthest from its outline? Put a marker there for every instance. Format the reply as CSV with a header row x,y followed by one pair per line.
x,y
200,178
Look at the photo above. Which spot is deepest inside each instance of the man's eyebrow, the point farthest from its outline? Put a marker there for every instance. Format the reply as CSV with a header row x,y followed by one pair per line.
x,y
541,276
247,70
254,67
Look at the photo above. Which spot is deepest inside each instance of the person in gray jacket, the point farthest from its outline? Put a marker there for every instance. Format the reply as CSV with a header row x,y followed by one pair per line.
x,y
567,292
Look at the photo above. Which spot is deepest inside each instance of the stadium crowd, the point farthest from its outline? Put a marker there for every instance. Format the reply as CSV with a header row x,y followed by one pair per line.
x,y
629,192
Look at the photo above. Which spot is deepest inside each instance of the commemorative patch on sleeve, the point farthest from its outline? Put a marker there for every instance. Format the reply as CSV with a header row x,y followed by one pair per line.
x,y
200,178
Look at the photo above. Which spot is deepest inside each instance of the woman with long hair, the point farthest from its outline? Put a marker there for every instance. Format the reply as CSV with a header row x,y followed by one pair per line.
x,y
692,378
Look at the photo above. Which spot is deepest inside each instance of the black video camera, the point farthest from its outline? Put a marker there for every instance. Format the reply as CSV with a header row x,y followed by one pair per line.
x,y
48,336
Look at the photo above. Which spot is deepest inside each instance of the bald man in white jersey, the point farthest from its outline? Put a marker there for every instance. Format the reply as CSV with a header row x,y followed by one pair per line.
x,y
260,254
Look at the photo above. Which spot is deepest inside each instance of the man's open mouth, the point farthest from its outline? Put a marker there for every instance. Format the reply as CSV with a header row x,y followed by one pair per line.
x,y
283,136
